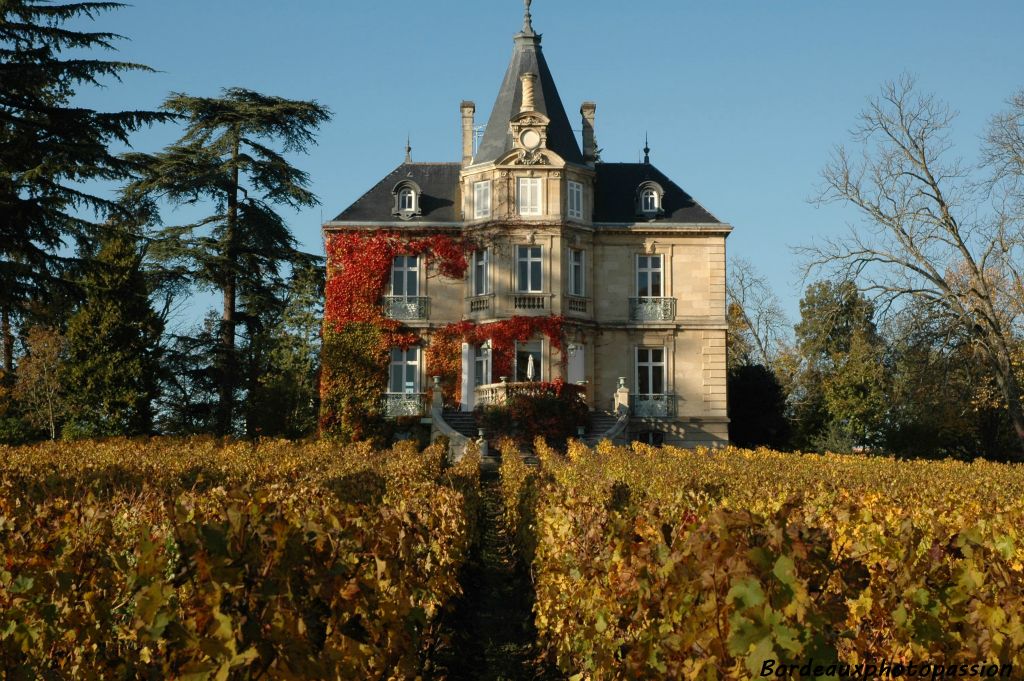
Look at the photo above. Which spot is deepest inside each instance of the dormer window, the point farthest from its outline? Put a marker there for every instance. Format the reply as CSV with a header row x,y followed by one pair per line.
x,y
407,200
649,200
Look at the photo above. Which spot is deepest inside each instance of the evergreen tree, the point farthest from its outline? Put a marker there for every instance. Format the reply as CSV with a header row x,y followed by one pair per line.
x,y
112,362
282,360
838,398
49,147
241,248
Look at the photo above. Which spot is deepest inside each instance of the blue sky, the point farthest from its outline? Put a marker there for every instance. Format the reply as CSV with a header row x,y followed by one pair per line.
x,y
742,100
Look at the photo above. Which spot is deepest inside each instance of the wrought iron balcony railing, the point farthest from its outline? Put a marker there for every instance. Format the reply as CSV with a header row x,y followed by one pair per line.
x,y
652,309
653,406
404,404
406,307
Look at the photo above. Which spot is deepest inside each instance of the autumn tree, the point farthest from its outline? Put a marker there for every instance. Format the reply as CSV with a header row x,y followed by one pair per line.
x,y
929,231
39,387
757,323
232,157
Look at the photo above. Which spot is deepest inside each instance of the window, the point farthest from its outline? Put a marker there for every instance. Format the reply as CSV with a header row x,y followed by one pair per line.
x,y
528,364
407,200
575,208
650,371
405,371
649,201
405,281
529,199
482,199
576,272
481,365
479,272
528,259
649,276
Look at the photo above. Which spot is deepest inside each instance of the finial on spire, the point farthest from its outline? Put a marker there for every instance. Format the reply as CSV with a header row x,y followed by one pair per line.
x,y
528,18
647,151
408,149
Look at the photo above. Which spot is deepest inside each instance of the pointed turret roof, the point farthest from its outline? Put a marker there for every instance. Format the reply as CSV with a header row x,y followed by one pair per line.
x,y
528,58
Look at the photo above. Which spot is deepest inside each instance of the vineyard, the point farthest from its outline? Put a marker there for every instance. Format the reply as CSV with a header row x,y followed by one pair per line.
x,y
200,559
661,563
194,559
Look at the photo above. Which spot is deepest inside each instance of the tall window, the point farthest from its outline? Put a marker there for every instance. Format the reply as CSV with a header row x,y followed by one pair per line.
x,y
575,272
405,280
480,267
528,364
407,200
529,199
481,365
405,371
650,371
482,199
528,259
649,276
575,208
649,201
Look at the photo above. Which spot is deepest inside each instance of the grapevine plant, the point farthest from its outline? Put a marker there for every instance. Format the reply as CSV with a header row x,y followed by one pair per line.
x,y
358,337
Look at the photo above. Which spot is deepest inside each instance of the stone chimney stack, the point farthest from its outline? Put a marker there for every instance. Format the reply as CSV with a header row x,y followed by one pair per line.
x,y
468,110
589,112
528,99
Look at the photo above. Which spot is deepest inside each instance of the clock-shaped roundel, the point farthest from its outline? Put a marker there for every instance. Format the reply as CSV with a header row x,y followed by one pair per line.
x,y
530,139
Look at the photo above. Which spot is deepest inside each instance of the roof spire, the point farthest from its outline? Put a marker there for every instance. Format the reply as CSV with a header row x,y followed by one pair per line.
x,y
647,151
528,18
408,149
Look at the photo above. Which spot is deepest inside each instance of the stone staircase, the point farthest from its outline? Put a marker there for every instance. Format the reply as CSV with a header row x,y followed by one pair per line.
x,y
463,422
600,423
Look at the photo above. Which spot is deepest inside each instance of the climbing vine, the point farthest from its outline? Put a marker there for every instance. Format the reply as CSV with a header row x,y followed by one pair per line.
x,y
446,345
357,336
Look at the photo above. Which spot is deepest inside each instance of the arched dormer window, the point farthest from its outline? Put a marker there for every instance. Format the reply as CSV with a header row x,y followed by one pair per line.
x,y
407,199
649,198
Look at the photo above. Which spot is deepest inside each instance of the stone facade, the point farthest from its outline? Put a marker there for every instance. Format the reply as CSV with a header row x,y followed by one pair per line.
x,y
633,264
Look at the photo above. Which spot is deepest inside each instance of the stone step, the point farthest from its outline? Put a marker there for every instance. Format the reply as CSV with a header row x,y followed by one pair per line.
x,y
464,423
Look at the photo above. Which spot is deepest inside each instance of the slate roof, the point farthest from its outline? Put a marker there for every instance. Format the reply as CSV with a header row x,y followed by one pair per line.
x,y
615,195
614,200
439,183
527,58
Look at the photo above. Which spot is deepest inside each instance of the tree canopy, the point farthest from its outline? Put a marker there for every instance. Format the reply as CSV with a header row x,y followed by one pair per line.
x,y
228,160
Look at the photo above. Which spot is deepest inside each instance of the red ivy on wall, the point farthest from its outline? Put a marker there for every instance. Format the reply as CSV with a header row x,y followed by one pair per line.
x,y
446,346
359,266
357,334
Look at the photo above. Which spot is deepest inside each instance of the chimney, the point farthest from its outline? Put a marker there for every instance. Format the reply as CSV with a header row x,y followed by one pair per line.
x,y
589,111
528,101
468,109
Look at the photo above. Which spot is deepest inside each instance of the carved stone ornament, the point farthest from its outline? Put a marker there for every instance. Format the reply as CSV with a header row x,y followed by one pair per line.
x,y
531,158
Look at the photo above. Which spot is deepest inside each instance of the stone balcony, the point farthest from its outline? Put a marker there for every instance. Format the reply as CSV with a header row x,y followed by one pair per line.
x,y
499,393
652,309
